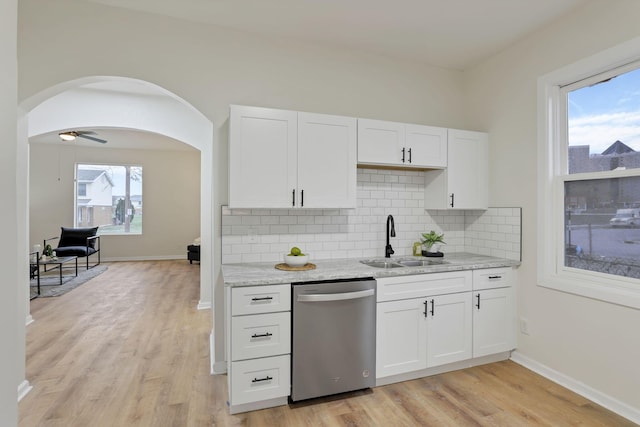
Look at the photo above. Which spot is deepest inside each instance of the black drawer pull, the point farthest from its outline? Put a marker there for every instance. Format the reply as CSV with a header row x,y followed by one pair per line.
x,y
261,298
257,380
495,277
268,334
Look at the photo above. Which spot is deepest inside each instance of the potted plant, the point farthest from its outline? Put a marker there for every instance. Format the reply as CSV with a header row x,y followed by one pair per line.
x,y
432,241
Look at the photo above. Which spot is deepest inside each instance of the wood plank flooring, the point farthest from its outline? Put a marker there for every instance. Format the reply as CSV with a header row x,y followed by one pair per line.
x,y
129,348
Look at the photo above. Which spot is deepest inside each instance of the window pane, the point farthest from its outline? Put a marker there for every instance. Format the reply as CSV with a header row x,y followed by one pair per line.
x,y
604,125
602,225
110,197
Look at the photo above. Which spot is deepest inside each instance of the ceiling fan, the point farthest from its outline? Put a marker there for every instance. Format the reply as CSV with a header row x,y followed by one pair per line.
x,y
71,135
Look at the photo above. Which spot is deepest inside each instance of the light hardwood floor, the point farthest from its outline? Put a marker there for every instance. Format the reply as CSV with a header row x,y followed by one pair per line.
x,y
129,348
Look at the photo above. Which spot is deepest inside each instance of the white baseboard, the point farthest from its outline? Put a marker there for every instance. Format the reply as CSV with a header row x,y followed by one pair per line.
x,y
204,305
29,320
144,258
23,389
620,408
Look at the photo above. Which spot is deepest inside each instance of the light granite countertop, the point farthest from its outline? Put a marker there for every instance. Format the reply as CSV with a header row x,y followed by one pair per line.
x,y
252,274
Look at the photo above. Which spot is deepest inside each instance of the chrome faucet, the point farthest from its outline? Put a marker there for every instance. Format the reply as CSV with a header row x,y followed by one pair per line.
x,y
388,250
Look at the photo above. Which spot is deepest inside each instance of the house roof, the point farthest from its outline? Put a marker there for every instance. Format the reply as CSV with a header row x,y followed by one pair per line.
x,y
90,175
618,147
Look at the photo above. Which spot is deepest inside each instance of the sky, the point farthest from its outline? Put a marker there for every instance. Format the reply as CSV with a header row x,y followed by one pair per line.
x,y
600,115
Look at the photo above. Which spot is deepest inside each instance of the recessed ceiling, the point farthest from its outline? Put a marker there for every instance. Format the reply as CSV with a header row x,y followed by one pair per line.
x,y
454,34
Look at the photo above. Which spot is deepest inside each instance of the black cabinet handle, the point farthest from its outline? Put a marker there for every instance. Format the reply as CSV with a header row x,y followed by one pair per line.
x,y
268,334
261,298
425,307
478,303
257,380
495,277
301,198
402,154
433,304
293,197
451,200
409,155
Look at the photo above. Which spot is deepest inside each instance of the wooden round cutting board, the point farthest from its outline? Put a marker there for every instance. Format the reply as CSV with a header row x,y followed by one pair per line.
x,y
286,267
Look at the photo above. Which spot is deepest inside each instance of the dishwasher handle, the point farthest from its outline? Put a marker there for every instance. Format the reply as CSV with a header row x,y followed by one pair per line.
x,y
335,297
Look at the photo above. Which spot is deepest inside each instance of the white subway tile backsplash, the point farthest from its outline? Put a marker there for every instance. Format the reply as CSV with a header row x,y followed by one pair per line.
x,y
360,232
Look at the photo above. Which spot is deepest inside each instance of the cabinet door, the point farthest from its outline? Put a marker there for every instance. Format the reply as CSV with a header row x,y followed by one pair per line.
x,y
401,335
326,161
262,157
428,146
493,321
467,170
380,142
449,329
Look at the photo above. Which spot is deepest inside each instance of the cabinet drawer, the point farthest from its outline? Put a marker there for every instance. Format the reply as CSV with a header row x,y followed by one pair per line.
x,y
260,299
490,278
260,379
405,287
260,335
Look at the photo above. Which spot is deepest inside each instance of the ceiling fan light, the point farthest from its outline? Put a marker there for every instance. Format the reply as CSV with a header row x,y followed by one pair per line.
x,y
67,136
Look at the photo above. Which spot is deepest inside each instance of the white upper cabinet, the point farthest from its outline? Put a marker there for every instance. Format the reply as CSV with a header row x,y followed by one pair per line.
x,y
327,161
428,145
263,146
464,184
399,144
286,159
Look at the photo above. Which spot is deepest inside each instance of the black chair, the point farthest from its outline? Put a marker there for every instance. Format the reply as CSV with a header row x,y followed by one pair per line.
x,y
34,268
193,253
80,242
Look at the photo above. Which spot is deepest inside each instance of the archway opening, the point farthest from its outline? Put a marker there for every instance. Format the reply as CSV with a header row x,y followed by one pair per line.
x,y
119,105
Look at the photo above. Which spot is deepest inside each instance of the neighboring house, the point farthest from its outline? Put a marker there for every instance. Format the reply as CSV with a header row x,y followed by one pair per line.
x,y
94,198
593,195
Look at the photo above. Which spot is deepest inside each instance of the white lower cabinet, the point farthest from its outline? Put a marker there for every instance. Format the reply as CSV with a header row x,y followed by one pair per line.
x,y
401,337
493,321
449,329
419,333
260,379
258,346
451,323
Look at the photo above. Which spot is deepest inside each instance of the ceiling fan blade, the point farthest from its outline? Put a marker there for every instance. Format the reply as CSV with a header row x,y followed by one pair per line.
x,y
82,135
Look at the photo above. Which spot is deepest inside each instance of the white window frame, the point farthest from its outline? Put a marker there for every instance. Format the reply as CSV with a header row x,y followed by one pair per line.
x,y
552,173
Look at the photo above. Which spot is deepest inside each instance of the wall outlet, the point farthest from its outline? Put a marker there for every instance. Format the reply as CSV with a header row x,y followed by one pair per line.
x,y
524,326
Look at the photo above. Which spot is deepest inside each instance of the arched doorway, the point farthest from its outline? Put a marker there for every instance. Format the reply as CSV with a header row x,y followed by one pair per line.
x,y
125,103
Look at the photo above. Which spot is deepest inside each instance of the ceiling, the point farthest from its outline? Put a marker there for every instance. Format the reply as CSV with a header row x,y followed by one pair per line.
x,y
117,138
454,34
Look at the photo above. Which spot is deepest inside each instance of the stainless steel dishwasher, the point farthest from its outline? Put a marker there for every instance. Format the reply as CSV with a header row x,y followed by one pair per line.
x,y
334,337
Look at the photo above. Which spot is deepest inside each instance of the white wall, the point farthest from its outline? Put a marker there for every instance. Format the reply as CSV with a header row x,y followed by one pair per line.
x,y
211,68
11,325
587,340
171,198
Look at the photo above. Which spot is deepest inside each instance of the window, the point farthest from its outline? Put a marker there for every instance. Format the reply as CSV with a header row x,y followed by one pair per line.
x,y
110,197
589,188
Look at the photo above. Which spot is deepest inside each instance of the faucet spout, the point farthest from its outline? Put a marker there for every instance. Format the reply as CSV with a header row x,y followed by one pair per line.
x,y
388,250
